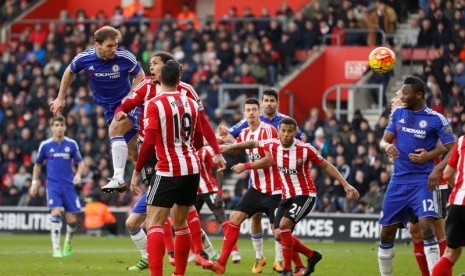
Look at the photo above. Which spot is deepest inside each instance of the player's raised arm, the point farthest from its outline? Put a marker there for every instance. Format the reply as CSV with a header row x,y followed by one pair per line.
x,y
257,164
351,192
57,105
237,147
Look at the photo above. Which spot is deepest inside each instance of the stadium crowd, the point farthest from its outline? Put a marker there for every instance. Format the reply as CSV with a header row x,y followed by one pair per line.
x,y
241,48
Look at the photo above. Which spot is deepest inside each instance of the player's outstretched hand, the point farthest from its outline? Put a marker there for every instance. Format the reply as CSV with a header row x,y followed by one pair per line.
x,y
57,105
420,156
120,116
351,192
223,131
238,168
219,159
134,188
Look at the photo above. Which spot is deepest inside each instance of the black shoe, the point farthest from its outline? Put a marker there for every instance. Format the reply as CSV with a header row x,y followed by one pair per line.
x,y
286,273
311,263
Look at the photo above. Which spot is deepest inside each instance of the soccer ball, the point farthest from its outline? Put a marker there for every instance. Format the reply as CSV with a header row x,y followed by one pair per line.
x,y
382,60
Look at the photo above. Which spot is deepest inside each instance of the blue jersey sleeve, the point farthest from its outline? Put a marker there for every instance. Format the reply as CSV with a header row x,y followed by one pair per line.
x,y
76,153
41,154
77,64
299,135
446,135
237,128
392,122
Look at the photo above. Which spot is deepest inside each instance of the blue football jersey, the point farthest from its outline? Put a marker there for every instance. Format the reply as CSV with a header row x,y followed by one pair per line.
x,y
415,130
58,158
109,79
237,128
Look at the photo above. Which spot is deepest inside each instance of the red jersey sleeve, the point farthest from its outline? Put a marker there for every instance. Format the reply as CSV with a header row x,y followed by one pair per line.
x,y
314,156
152,120
454,157
133,100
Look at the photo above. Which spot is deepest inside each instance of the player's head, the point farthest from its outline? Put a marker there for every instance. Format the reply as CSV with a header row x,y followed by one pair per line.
x,y
170,73
252,111
270,102
287,131
413,92
58,126
157,61
106,42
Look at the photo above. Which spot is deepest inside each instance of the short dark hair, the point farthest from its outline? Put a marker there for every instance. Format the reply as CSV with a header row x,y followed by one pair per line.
x,y
288,121
418,85
272,93
170,73
252,101
107,32
164,56
59,118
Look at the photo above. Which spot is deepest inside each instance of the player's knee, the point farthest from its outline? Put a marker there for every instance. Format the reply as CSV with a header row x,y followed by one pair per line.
x,y
131,224
237,217
415,232
119,128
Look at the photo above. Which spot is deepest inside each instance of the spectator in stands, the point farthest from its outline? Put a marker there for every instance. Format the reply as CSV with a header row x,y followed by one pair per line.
x,y
380,16
426,35
98,218
38,35
326,205
134,10
187,15
320,142
310,35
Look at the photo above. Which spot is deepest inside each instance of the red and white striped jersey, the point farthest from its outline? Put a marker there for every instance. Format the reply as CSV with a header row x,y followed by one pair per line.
x,y
145,91
457,161
175,119
294,165
266,180
207,182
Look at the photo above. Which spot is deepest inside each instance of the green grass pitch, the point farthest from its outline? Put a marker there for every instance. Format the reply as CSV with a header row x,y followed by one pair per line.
x,y
31,255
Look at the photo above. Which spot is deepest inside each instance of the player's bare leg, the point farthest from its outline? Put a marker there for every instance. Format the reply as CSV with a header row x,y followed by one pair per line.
x,y
119,153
